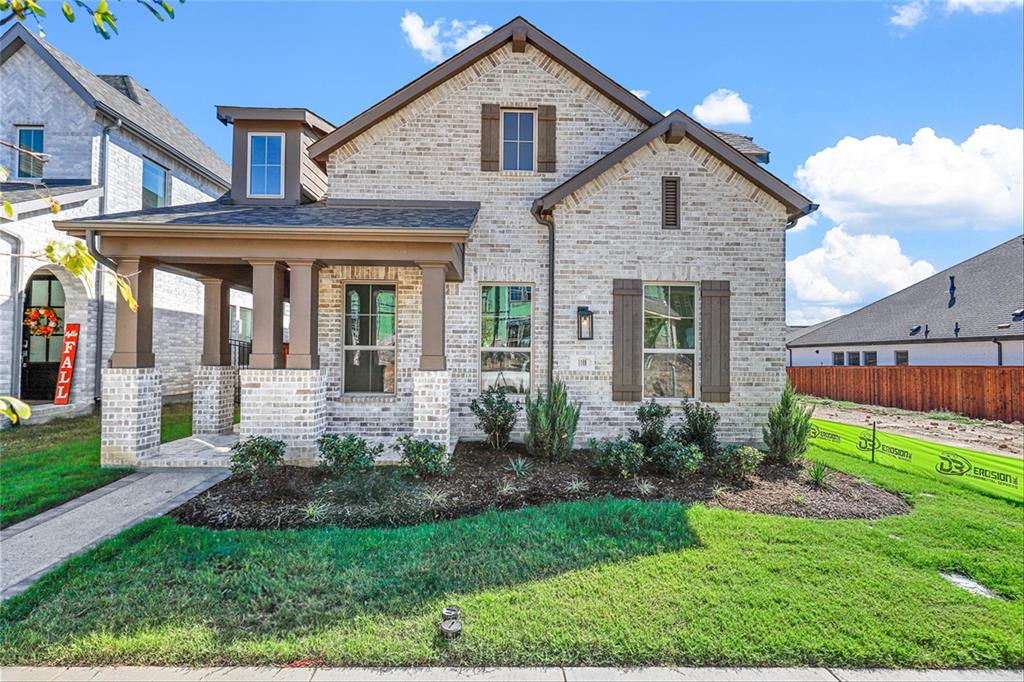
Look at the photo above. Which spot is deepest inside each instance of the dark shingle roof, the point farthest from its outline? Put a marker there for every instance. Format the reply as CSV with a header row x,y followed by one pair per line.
x,y
744,144
793,332
18,192
221,213
114,93
989,288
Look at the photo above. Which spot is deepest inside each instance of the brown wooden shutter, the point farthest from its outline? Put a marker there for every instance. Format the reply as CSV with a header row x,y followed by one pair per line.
x,y
546,124
627,339
715,338
490,131
670,203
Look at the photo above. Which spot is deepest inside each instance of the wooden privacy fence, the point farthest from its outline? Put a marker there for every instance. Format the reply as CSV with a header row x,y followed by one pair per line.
x,y
983,392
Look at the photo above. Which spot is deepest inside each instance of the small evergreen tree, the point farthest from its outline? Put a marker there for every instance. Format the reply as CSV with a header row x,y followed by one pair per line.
x,y
788,428
551,423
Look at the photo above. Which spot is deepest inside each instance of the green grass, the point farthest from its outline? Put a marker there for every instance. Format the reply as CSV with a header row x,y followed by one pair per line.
x,y
938,415
606,582
44,465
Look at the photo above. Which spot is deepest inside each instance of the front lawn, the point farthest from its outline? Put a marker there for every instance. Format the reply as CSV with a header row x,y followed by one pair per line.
x,y
45,465
590,582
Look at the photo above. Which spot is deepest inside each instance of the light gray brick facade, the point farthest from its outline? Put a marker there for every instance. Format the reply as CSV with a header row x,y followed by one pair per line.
x,y
285,404
131,415
213,399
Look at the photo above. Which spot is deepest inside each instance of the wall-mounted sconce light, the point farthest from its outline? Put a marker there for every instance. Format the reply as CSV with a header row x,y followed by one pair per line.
x,y
584,324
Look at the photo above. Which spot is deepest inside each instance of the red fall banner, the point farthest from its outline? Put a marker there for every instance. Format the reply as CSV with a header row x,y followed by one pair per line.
x,y
67,365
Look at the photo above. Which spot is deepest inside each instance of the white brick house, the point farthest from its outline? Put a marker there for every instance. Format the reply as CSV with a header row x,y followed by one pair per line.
x,y
102,135
417,245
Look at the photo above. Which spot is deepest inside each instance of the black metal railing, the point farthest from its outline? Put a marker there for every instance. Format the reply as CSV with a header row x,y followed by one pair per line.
x,y
240,352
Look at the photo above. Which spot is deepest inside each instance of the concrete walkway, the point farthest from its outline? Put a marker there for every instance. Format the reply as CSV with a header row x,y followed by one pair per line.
x,y
30,549
558,674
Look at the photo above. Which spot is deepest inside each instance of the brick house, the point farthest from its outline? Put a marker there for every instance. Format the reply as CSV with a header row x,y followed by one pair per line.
x,y
111,147
511,216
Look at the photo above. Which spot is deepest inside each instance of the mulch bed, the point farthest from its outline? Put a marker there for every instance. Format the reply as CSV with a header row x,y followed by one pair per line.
x,y
481,480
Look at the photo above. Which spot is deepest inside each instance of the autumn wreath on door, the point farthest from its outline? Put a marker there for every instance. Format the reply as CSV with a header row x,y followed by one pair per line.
x,y
41,320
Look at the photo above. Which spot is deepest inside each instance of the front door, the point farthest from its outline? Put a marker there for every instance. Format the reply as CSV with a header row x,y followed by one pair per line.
x,y
40,354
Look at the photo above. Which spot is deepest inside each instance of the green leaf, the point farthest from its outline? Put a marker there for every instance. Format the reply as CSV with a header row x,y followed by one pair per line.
x,y
167,8
152,10
8,209
69,14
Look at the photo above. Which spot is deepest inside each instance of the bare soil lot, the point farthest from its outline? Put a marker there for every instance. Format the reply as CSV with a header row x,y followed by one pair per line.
x,y
939,427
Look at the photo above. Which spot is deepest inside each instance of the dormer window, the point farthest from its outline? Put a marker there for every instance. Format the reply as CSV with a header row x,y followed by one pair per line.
x,y
517,140
266,165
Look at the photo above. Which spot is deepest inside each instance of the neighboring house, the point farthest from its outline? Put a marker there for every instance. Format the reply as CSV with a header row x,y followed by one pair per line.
x,y
429,246
111,147
969,314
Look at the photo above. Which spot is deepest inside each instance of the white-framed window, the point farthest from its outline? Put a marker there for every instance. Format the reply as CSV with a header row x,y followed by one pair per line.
x,y
870,358
154,184
266,166
901,357
670,340
838,360
518,140
30,140
370,336
853,358
506,330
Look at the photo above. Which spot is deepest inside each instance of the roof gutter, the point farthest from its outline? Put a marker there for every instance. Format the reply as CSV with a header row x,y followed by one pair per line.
x,y
135,129
94,251
548,220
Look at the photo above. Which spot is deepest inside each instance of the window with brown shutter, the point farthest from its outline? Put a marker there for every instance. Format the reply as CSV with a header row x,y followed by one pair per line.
x,y
715,338
490,131
546,124
627,339
670,203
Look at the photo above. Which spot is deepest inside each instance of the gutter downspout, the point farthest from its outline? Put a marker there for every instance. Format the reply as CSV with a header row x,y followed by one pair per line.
x,y
549,221
90,245
17,303
999,351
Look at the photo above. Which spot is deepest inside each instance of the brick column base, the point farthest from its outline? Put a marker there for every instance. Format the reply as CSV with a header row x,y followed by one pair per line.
x,y
213,399
288,405
130,425
432,406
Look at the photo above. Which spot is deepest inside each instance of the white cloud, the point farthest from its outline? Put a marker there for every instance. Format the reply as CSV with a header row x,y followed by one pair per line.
x,y
852,269
982,6
437,41
722,107
879,184
804,223
909,14
811,314
642,94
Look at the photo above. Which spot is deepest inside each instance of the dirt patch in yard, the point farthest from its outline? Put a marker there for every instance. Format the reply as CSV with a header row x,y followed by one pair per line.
x,y
300,497
938,427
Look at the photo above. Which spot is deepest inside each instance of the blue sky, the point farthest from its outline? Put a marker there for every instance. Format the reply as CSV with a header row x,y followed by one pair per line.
x,y
806,74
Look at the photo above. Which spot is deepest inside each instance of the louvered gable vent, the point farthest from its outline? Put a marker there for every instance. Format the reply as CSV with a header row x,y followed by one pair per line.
x,y
670,203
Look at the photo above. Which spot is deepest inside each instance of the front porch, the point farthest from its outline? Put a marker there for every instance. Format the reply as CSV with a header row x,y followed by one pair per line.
x,y
293,397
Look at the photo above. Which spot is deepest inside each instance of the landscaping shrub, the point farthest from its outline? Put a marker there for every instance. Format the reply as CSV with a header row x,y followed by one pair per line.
x,y
425,458
820,475
619,456
652,417
738,462
346,456
256,456
699,424
382,497
519,467
551,423
788,429
496,416
677,460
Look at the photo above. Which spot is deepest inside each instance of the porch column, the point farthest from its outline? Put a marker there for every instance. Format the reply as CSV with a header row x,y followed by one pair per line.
x,y
304,297
432,348
214,379
267,314
216,322
431,402
131,393
133,335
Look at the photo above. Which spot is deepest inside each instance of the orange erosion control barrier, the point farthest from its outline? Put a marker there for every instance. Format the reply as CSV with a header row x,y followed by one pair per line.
x,y
982,392
992,474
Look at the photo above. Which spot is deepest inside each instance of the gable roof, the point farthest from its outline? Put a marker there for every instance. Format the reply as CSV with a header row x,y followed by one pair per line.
x,y
121,97
519,32
674,127
744,144
989,288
